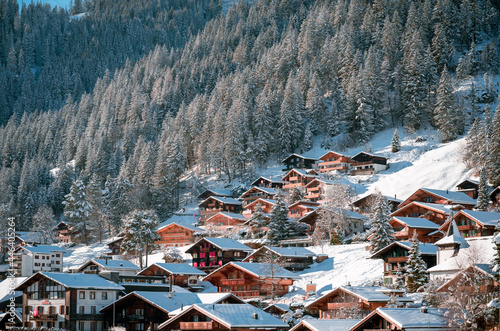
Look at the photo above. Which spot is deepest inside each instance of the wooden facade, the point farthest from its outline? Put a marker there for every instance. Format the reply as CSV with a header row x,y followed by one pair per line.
x,y
300,208
63,233
365,204
405,227
175,234
469,187
444,197
298,162
316,189
298,178
224,221
245,284
286,257
256,192
183,278
213,205
332,161
475,280
367,164
435,213
495,197
208,256
474,223
268,182
266,204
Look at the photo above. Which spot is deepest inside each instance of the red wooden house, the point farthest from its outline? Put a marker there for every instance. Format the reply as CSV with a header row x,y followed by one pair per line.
x,y
354,301
469,187
398,319
266,204
256,192
177,234
443,197
298,178
434,212
474,223
211,253
300,208
114,244
405,227
213,205
252,280
316,189
224,221
332,161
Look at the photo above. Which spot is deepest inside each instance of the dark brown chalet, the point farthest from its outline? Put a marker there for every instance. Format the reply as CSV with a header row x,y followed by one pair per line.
x,y
397,254
475,280
346,301
298,162
434,212
367,164
469,187
63,232
215,193
212,253
256,192
214,205
290,258
333,161
114,244
365,204
268,182
298,178
474,223
443,197
405,227
179,274
252,280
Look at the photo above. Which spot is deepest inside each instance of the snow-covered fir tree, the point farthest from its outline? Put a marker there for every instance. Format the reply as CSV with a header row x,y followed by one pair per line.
x,y
483,197
400,278
381,230
446,115
77,210
308,136
43,222
396,142
493,157
473,145
256,222
416,269
279,223
140,233
431,296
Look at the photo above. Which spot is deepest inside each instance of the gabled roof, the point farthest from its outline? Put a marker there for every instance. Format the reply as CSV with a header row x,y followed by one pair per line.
x,y
280,306
369,154
410,318
454,197
367,293
228,215
437,207
233,316
324,181
108,264
305,203
266,190
332,152
259,270
286,251
453,236
74,281
44,249
425,248
275,181
484,217
224,200
327,324
479,268
302,172
260,200
113,240
185,221
177,269
417,222
225,244
29,236
472,181
221,193
300,157
373,195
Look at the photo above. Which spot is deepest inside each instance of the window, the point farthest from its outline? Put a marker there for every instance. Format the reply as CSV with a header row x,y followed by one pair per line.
x,y
58,262
139,326
82,310
52,310
202,255
61,310
195,264
220,263
104,295
58,255
40,309
139,312
93,326
219,253
212,254
203,264
81,326
93,310
81,295
92,295
37,257
195,255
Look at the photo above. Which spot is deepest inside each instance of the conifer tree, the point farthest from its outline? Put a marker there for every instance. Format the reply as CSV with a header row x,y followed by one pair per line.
x,y
279,223
308,136
415,267
483,198
381,230
493,156
77,210
256,222
396,142
400,279
445,115
43,222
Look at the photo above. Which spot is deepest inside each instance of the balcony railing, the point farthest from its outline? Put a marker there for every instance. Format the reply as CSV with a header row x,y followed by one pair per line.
x,y
45,317
237,281
397,259
195,325
246,294
403,233
338,305
313,196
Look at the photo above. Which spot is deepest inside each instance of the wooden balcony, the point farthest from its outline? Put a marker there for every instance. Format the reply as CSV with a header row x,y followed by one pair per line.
x,y
313,196
195,325
466,227
294,178
45,317
292,185
397,259
403,233
246,294
237,281
338,305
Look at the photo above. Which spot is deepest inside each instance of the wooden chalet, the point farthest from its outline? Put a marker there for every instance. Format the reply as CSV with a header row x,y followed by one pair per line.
x,y
215,193
475,280
225,221
211,253
252,280
25,238
316,189
63,232
356,221
224,317
257,192
268,182
397,254
179,274
434,212
290,258
266,204
178,230
300,208
277,309
443,197
332,161
67,301
368,164
298,162
115,244
405,227
495,197
474,223
96,266
213,205
142,310
469,187
365,204
404,319
298,178
354,301
322,325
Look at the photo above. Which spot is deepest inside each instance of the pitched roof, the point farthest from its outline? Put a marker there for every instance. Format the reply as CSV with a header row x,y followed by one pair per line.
x,y
222,193
77,281
322,156
225,200
454,196
483,217
282,306
229,215
276,181
185,221
227,244
445,209
411,318
233,316
305,203
417,223
453,236
260,270
425,248
178,269
369,154
327,324
299,156
47,249
270,191
291,251
114,264
29,236
302,172
367,293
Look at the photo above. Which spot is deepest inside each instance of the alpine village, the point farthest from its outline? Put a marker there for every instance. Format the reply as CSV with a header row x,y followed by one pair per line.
x,y
301,165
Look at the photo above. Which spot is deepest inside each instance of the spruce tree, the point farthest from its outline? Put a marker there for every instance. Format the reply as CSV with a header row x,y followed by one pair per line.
x,y
415,267
445,115
483,198
381,230
77,210
473,145
279,223
308,136
396,142
400,278
493,157
256,222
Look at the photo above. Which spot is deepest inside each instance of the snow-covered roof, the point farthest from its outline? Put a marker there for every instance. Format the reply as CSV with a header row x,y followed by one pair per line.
x,y
228,244
208,298
29,236
446,209
276,181
373,195
425,248
260,270
270,191
282,306
179,269
305,203
299,156
302,172
225,200
44,249
234,316
218,192
454,196
186,221
113,239
109,264
291,251
370,294
327,325
453,236
77,281
483,217
411,318
322,156
324,181
417,223
6,287
369,154
229,215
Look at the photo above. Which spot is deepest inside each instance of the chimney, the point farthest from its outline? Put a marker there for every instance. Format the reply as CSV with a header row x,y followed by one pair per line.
x,y
310,289
255,316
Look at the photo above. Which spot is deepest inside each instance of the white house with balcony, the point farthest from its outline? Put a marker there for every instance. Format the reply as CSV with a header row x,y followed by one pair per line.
x,y
28,260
